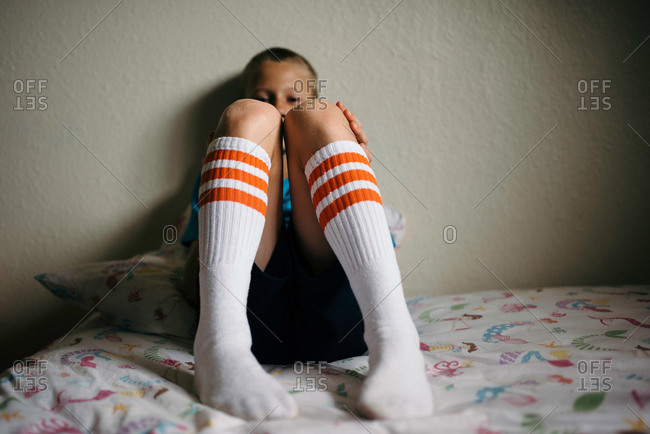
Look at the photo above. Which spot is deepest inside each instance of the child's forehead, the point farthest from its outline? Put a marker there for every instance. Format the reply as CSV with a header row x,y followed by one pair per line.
x,y
287,69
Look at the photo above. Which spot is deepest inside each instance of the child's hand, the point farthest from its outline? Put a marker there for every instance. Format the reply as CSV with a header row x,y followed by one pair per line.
x,y
355,125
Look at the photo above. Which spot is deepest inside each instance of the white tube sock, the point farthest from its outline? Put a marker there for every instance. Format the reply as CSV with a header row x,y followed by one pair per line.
x,y
349,208
232,213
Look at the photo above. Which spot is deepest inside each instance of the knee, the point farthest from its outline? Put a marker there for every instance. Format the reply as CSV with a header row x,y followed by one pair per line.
x,y
250,119
315,123
250,111
314,113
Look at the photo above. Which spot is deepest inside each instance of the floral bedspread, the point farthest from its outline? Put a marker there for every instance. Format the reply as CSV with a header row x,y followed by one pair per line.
x,y
573,359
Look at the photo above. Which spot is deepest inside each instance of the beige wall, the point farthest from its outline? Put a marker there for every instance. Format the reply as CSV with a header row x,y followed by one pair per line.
x,y
452,95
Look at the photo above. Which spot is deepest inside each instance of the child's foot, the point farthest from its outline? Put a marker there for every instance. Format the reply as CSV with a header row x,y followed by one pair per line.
x,y
396,386
235,382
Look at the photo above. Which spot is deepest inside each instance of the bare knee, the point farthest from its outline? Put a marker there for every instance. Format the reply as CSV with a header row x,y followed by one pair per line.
x,y
312,125
254,120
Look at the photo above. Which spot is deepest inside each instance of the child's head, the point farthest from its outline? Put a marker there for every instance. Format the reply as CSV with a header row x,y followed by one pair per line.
x,y
280,77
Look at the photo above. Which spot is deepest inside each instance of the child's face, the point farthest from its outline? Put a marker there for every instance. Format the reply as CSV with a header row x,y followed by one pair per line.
x,y
281,84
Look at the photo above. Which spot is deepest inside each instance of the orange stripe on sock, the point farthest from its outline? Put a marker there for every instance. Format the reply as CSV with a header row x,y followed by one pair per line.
x,y
237,174
340,180
230,154
232,195
347,200
333,161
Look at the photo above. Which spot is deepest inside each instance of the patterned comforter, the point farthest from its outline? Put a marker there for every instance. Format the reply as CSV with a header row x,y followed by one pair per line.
x,y
573,359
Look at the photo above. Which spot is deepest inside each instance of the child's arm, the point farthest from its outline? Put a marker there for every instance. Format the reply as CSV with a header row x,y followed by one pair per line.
x,y
190,275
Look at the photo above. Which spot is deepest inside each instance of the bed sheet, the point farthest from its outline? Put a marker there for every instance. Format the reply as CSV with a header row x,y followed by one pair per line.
x,y
571,359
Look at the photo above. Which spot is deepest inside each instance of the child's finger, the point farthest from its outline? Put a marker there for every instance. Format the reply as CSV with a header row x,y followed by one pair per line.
x,y
347,112
353,118
358,131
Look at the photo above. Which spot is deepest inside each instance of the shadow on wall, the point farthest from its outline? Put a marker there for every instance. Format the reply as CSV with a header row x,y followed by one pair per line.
x,y
191,126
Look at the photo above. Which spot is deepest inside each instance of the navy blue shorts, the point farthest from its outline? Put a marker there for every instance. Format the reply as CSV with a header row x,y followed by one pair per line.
x,y
295,316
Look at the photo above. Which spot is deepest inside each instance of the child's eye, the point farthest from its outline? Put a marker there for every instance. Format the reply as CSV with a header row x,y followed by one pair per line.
x,y
262,98
294,99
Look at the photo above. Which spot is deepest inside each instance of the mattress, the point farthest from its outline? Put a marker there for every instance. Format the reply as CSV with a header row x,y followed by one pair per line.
x,y
569,359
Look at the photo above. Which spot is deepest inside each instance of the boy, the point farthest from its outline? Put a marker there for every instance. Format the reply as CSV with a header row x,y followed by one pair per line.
x,y
325,287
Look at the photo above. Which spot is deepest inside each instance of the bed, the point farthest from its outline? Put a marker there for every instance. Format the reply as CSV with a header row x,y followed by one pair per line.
x,y
564,360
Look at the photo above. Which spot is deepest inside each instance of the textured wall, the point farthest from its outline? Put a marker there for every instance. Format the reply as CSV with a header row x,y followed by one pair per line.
x,y
452,95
